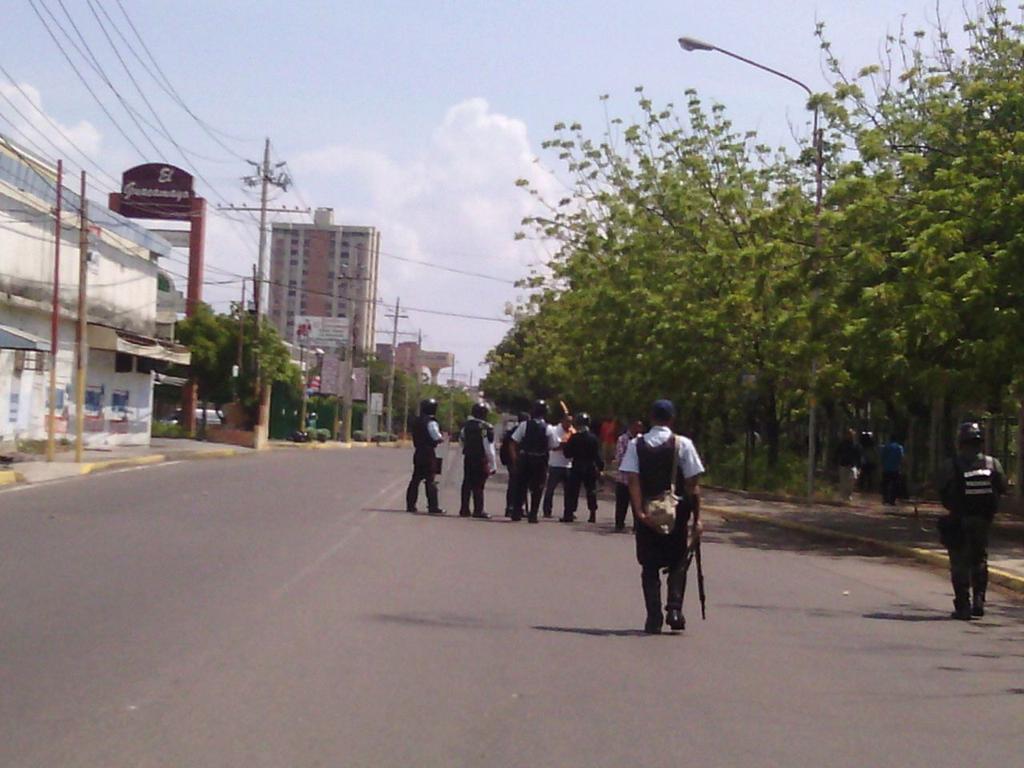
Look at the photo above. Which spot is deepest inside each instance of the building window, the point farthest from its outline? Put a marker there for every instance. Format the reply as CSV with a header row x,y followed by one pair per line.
x,y
123,363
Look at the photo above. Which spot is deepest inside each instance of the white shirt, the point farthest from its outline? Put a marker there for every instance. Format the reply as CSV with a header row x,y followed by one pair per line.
x,y
488,444
434,431
687,458
557,458
520,433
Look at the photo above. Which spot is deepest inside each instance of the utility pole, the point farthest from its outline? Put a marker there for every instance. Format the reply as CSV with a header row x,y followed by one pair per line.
x,y
265,176
51,422
451,416
394,360
241,342
349,369
81,344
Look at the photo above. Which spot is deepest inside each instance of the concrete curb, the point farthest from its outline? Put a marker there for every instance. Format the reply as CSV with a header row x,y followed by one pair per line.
x,y
88,468
9,477
926,556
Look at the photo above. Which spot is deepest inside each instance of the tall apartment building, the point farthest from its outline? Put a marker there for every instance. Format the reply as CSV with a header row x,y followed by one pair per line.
x,y
316,271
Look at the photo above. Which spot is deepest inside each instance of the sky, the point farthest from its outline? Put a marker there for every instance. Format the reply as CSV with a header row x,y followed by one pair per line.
x,y
413,116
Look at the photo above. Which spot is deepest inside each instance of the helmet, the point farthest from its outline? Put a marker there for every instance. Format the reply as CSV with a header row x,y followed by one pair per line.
x,y
969,432
523,416
428,407
480,410
539,409
582,419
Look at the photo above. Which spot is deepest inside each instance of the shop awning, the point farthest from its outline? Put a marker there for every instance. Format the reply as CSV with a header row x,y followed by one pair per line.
x,y
15,338
105,337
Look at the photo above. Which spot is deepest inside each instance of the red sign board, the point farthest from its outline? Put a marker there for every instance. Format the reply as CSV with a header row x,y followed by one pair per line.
x,y
156,191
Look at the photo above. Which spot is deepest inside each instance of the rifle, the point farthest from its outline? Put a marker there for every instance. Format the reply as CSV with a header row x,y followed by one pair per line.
x,y
691,555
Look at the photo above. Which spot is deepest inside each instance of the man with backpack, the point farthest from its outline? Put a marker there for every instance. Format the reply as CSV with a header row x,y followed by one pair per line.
x,y
477,439
970,486
532,443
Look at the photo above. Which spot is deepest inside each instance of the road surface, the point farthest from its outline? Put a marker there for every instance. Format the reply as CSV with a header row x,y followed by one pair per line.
x,y
284,610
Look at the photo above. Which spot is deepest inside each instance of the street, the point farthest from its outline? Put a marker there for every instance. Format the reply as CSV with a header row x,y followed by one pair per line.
x,y
284,610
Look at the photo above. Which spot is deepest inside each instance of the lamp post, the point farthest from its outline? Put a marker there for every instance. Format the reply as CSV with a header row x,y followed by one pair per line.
x,y
693,44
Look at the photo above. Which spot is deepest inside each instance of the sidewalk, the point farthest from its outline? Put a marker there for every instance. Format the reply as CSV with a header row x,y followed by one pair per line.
x,y
894,530
38,470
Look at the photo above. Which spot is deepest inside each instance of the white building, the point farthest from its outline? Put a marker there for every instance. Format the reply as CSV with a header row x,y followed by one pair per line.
x,y
122,288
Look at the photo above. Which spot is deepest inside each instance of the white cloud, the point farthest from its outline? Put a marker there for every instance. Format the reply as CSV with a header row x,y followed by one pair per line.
x,y
455,204
25,110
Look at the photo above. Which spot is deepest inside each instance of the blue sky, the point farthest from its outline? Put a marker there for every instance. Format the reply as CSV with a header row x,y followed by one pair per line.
x,y
417,117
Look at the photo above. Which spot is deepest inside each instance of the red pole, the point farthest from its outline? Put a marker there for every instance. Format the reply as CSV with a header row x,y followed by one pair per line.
x,y
51,426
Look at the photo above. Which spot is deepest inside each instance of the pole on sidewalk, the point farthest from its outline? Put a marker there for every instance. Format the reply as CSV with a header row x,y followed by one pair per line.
x,y
51,421
81,344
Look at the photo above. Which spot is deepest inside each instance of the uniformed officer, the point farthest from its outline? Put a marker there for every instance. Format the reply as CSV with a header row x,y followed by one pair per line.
x,y
970,486
584,451
653,464
531,444
478,459
426,436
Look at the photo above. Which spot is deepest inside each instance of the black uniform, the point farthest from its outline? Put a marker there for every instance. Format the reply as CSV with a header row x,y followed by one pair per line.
x,y
424,465
656,551
970,487
584,448
476,464
531,468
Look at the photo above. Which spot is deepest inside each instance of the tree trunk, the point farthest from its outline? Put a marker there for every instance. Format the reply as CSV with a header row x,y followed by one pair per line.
x,y
1020,453
935,431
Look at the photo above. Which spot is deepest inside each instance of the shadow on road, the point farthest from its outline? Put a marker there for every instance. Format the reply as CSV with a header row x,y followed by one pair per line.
x,y
911,617
594,631
442,620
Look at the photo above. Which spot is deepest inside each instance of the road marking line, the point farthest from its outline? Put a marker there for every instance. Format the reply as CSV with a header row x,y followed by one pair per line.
x,y
319,560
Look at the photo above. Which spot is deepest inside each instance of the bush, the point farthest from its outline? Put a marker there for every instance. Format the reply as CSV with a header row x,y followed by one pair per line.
x,y
163,429
323,435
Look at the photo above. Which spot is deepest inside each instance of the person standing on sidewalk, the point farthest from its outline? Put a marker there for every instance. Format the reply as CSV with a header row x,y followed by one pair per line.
x,y
478,459
848,457
558,464
892,467
970,486
583,450
621,479
655,463
426,436
531,445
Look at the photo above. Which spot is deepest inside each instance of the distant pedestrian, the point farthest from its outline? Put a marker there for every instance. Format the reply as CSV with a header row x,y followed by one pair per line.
x,y
970,485
868,461
426,436
848,456
655,464
558,463
531,445
478,459
892,470
622,479
584,451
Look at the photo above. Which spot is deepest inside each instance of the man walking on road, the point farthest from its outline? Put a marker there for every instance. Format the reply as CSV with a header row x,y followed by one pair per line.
x,y
479,463
655,464
970,486
848,455
892,467
584,452
531,445
426,436
559,464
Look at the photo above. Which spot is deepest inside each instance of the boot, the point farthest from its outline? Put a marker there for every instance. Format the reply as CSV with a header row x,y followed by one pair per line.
x,y
962,607
978,606
650,578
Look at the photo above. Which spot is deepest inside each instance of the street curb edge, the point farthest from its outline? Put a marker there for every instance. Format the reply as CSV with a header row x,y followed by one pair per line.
x,y
926,556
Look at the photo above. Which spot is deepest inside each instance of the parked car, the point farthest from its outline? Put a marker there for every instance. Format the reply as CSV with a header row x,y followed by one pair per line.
x,y
214,417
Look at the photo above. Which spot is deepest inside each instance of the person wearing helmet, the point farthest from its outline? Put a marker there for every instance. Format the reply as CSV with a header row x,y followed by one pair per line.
x,y
478,457
969,486
505,454
532,443
584,451
559,465
426,436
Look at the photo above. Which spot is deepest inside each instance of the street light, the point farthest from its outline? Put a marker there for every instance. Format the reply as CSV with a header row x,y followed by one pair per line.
x,y
693,44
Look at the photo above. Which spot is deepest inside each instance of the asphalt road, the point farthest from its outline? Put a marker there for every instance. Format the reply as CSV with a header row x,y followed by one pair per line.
x,y
283,610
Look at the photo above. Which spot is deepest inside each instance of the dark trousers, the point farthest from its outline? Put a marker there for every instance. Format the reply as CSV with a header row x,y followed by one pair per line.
x,y
511,492
587,478
621,505
423,471
968,560
474,476
650,579
556,476
530,474
890,487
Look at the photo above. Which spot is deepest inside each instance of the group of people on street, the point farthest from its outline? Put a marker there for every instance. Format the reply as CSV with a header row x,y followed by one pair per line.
x,y
659,470
656,465
858,458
